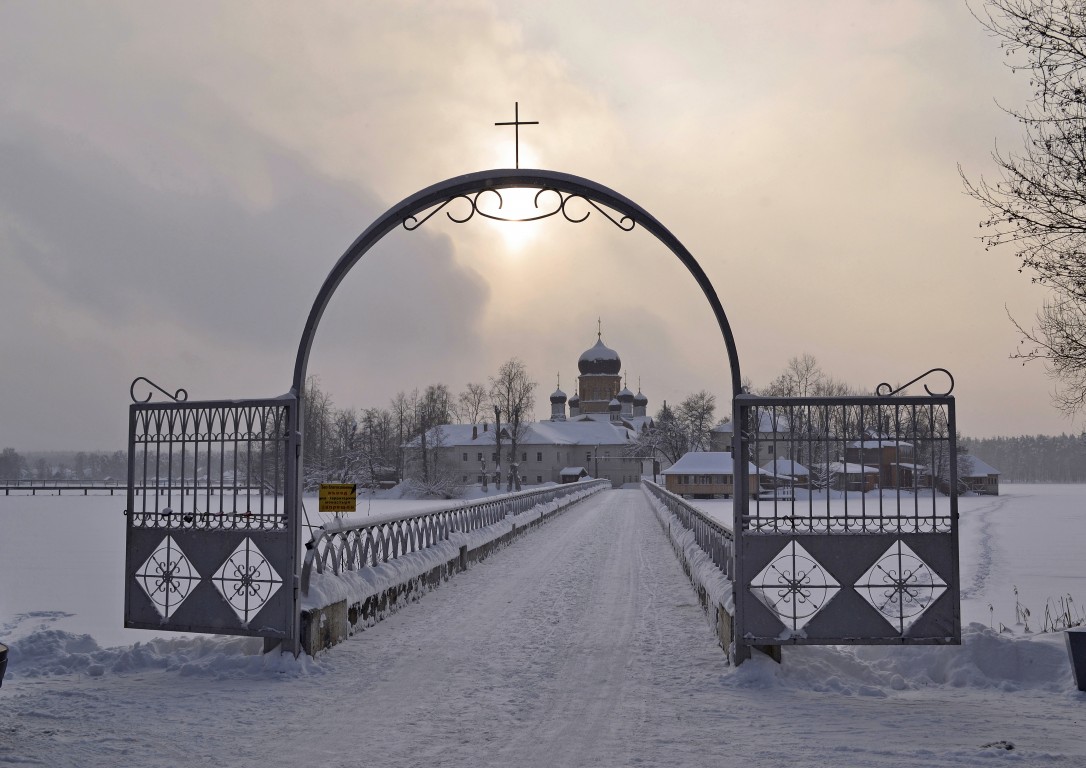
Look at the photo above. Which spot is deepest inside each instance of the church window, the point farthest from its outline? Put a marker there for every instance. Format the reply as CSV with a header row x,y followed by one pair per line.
x,y
539,456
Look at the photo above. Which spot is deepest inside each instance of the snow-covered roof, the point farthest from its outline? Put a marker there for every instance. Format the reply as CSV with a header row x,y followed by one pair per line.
x,y
883,443
706,463
849,468
979,468
587,432
786,468
573,471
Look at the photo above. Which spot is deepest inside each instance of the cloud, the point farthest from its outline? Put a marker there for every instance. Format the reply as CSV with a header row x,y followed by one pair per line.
x,y
178,180
208,289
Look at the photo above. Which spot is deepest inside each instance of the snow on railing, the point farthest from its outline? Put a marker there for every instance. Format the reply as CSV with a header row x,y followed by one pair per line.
x,y
342,547
715,539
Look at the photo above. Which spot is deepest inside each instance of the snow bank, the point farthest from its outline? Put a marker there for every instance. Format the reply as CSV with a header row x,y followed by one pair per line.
x,y
703,572
46,651
985,660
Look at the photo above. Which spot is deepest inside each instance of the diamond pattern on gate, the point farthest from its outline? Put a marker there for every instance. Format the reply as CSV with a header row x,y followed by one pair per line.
x,y
900,586
247,580
168,577
794,586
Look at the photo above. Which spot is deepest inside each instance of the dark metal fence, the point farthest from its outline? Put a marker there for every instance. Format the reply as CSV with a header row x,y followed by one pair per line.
x,y
212,533
219,465
847,520
338,548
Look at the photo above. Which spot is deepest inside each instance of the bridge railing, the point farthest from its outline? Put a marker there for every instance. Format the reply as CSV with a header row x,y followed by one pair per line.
x,y
713,537
342,546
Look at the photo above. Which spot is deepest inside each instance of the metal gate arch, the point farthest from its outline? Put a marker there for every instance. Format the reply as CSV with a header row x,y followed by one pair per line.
x,y
169,586
153,534
494,180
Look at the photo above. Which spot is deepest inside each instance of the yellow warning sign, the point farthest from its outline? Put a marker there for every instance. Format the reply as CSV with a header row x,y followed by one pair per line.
x,y
337,497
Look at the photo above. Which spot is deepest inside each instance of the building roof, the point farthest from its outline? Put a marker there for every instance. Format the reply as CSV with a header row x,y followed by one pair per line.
x,y
786,467
881,443
853,469
979,468
586,432
706,463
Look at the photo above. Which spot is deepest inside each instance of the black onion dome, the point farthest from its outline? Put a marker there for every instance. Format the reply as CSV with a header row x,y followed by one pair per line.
x,y
640,399
625,396
614,405
575,400
600,359
558,396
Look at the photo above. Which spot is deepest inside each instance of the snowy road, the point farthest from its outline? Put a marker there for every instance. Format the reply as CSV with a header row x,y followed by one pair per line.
x,y
580,644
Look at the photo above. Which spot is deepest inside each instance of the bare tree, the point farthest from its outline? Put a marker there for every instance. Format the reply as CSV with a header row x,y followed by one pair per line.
x,y
377,452
802,377
403,409
472,403
512,393
427,470
317,419
695,418
1038,205
682,429
670,439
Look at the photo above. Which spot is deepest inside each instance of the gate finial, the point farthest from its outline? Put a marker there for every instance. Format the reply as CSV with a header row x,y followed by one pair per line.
x,y
178,396
887,390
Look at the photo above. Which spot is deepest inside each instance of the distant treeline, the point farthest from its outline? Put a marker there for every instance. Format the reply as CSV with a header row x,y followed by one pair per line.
x,y
1033,458
63,466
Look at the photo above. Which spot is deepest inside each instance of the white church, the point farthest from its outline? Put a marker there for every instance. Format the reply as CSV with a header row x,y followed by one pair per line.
x,y
588,434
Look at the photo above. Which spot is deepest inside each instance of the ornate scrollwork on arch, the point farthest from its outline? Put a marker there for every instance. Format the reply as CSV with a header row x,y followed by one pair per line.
x,y
561,205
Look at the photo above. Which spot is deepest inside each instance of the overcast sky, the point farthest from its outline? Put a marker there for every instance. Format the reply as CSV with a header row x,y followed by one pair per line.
x,y
177,179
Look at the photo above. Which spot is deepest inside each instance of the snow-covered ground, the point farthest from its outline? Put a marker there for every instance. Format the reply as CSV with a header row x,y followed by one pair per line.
x,y
579,644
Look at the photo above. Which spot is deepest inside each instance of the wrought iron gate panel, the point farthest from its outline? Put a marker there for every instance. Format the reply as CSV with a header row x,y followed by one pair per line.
x,y
212,532
847,520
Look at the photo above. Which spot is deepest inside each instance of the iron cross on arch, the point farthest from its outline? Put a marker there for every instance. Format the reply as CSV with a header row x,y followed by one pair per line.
x,y
517,123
